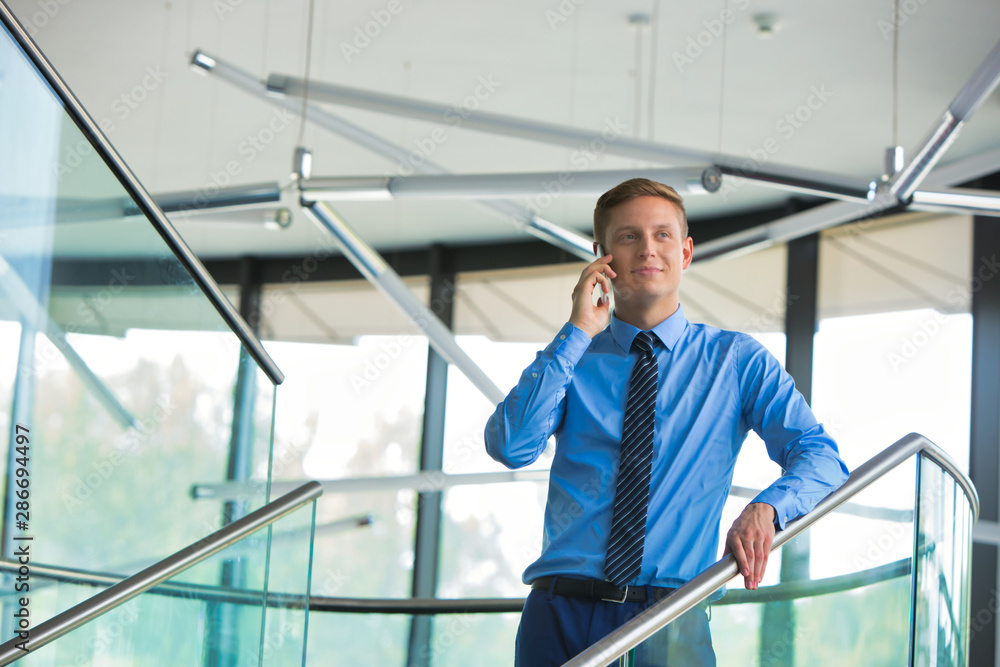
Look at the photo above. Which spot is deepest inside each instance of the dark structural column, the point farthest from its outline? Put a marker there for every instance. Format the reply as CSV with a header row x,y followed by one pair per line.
x,y
223,636
428,534
984,435
802,279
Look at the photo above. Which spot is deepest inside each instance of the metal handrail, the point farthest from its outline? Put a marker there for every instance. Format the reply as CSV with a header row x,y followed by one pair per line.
x,y
143,200
715,577
170,566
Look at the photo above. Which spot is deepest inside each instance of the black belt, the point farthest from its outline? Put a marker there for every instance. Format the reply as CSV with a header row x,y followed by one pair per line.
x,y
592,589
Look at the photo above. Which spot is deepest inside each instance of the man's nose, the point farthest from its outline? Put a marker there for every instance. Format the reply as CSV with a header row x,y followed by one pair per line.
x,y
646,246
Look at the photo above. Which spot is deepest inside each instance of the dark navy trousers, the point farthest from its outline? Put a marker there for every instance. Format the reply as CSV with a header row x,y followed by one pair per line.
x,y
555,628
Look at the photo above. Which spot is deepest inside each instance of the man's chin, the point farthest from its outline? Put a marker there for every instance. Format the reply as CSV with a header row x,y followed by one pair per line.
x,y
641,298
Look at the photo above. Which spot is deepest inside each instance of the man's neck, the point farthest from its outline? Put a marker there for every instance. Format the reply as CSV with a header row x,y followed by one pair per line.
x,y
646,317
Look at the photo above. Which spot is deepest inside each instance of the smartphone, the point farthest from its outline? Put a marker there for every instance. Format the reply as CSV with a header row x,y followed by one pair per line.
x,y
604,291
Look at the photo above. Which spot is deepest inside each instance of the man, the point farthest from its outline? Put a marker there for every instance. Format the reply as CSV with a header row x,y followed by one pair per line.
x,y
649,414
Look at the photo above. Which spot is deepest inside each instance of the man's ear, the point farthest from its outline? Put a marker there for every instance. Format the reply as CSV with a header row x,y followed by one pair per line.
x,y
597,249
688,250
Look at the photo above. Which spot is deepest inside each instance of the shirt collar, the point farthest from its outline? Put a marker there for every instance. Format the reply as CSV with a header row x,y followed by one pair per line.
x,y
668,331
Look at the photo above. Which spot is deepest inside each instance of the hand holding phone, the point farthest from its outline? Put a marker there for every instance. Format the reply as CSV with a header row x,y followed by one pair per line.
x,y
587,316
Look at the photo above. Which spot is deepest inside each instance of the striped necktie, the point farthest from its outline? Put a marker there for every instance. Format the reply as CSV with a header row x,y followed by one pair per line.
x,y
628,522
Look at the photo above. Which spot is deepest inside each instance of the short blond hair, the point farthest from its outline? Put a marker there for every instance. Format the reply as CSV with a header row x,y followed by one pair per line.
x,y
630,189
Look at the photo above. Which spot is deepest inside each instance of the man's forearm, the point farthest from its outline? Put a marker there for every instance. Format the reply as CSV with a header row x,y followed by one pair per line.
x,y
518,430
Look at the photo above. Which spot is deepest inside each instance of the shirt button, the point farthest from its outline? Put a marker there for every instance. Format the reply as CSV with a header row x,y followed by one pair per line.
x,y
562,336
534,375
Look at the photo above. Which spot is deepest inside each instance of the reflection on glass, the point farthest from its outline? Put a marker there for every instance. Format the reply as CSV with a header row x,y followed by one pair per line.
x,y
849,606
484,640
943,561
358,639
191,624
123,373
888,584
350,411
489,535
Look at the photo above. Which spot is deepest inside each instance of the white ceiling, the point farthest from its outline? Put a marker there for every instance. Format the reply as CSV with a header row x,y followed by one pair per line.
x,y
580,72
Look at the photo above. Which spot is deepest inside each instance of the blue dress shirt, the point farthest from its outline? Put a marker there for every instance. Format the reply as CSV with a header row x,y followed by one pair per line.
x,y
714,386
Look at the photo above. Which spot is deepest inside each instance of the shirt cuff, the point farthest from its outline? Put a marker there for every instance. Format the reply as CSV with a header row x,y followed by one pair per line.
x,y
570,343
784,506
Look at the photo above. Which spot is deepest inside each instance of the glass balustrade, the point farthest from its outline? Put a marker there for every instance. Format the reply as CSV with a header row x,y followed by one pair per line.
x,y
185,623
943,562
882,580
124,386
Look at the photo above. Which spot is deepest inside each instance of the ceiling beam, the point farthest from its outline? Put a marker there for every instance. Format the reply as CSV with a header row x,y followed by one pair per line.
x,y
609,139
686,180
979,86
522,218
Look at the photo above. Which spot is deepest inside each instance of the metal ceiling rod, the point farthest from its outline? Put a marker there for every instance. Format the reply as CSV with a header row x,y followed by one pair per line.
x,y
793,227
463,116
983,81
522,218
958,200
836,213
85,209
430,480
686,180
609,140
380,274
438,481
194,201
964,170
799,180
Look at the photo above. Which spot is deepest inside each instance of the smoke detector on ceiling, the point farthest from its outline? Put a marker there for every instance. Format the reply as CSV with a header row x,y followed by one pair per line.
x,y
767,24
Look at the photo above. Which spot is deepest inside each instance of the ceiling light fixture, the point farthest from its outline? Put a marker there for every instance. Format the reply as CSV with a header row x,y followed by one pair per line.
x,y
541,186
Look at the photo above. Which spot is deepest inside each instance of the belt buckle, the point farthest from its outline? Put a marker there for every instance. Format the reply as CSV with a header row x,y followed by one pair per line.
x,y
616,601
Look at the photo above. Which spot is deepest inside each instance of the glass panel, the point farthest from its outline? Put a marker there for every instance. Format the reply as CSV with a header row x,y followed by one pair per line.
x,y
467,410
850,605
484,640
346,640
943,569
489,535
189,624
329,427
121,376
349,410
289,576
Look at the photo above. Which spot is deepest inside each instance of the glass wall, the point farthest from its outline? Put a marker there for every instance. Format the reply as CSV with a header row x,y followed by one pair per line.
x,y
944,560
893,353
351,409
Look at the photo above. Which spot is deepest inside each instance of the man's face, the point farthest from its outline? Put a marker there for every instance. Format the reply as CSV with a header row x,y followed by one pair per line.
x,y
648,254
